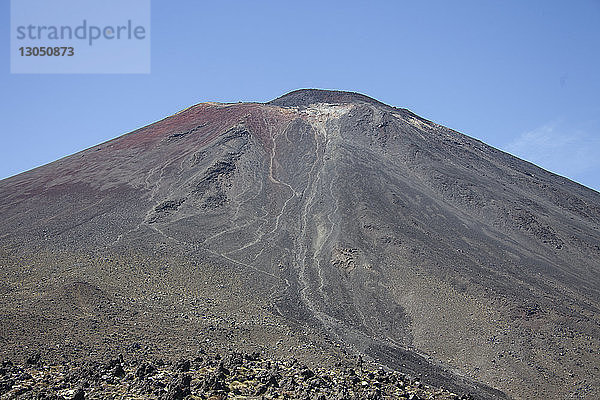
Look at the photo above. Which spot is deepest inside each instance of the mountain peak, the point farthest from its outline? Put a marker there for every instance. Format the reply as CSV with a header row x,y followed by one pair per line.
x,y
319,233
305,97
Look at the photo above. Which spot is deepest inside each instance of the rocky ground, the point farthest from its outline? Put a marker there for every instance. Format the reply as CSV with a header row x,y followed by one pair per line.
x,y
233,376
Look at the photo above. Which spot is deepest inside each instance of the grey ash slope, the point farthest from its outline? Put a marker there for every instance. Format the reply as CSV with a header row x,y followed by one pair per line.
x,y
322,225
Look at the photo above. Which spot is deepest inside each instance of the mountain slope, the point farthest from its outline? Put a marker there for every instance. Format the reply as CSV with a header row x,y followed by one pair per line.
x,y
322,224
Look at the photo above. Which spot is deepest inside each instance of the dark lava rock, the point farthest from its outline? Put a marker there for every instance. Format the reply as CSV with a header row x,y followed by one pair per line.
x,y
306,373
261,389
178,388
183,365
215,382
234,359
118,371
6,385
33,359
260,378
222,371
79,394
145,369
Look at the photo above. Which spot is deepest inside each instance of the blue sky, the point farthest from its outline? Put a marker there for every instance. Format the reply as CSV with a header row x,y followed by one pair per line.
x,y
521,76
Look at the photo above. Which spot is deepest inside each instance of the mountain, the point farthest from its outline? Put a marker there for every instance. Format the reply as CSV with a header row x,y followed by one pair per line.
x,y
322,225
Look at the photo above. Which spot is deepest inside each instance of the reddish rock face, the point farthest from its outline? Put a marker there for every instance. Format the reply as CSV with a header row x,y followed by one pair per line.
x,y
321,225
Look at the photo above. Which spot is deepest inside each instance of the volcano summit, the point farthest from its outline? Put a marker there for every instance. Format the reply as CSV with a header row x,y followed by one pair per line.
x,y
321,225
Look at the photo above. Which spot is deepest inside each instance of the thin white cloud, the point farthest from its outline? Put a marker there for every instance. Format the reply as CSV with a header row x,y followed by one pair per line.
x,y
559,148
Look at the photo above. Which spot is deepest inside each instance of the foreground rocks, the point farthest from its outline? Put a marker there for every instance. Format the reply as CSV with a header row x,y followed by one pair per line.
x,y
234,376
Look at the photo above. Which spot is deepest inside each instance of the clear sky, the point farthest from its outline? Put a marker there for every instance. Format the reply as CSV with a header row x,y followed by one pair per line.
x,y
522,76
